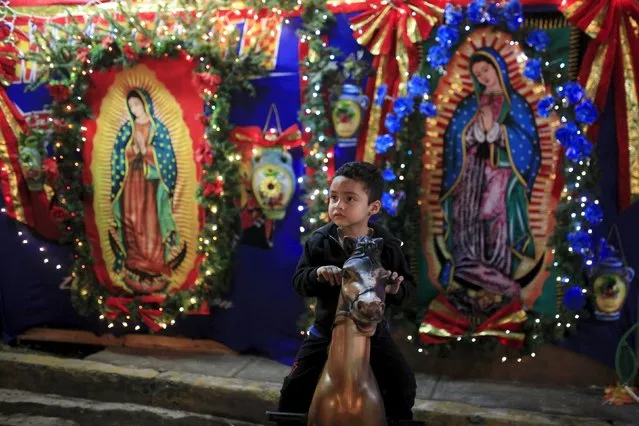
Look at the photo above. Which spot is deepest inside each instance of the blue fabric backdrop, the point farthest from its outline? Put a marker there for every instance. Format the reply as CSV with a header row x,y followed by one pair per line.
x,y
265,307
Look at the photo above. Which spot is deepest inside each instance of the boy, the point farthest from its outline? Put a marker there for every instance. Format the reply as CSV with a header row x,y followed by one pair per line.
x,y
355,195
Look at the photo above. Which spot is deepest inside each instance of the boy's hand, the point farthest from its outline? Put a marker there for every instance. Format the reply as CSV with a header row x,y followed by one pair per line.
x,y
396,280
330,274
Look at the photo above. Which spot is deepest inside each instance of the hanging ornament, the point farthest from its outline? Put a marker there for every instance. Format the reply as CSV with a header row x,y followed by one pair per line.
x,y
349,109
610,278
347,114
272,177
273,181
31,159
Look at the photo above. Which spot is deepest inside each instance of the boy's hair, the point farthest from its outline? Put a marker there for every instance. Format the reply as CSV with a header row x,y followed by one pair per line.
x,y
365,173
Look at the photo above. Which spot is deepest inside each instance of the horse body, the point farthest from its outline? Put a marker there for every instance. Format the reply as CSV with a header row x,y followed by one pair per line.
x,y
347,392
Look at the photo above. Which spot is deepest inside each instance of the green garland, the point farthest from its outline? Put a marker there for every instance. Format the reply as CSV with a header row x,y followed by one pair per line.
x,y
68,68
322,74
405,161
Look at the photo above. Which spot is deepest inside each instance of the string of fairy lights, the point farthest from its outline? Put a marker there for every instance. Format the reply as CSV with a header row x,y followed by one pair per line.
x,y
319,156
23,236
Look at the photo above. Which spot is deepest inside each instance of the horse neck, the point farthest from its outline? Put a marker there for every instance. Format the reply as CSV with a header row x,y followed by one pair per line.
x,y
349,353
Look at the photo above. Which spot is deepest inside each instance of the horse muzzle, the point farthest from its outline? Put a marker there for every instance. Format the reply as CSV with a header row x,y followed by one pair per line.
x,y
372,311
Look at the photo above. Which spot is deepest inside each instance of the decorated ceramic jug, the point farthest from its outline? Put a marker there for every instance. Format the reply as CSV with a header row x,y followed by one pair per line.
x,y
610,280
348,113
31,165
273,181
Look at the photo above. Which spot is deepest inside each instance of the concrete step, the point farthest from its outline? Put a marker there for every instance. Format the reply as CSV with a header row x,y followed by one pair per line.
x,y
23,419
244,388
28,408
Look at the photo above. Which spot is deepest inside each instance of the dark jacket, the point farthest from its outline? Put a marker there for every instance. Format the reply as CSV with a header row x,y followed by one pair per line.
x,y
322,249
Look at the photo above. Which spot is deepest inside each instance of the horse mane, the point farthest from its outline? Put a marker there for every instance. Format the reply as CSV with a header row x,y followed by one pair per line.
x,y
365,246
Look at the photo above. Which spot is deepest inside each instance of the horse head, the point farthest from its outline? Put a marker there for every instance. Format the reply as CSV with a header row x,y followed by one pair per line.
x,y
363,284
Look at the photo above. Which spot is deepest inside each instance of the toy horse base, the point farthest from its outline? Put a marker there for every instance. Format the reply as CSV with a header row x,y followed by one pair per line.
x,y
296,419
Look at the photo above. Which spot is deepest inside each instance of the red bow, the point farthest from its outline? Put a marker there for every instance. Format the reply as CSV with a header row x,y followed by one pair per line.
x,y
206,82
443,322
407,22
129,53
118,305
392,32
8,61
216,188
612,58
59,92
50,169
203,154
289,138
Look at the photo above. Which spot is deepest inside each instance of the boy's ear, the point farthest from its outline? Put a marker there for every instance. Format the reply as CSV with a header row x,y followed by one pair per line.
x,y
374,207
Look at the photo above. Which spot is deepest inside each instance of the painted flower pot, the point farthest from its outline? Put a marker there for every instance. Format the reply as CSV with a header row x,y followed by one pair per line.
x,y
610,287
273,181
348,113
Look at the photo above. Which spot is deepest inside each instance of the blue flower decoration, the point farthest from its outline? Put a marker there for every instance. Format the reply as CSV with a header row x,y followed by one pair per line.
x,y
438,56
393,123
475,12
493,14
417,86
580,241
593,213
428,109
389,175
586,112
578,149
380,96
514,15
403,106
572,91
533,69
545,105
447,36
388,203
538,40
574,299
453,15
383,143
567,133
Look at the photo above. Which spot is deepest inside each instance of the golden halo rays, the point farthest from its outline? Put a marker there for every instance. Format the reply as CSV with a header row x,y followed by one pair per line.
x,y
451,90
113,114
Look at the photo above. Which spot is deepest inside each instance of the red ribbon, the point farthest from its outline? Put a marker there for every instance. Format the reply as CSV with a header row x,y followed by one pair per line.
x,y
385,31
450,320
149,316
394,17
289,138
609,17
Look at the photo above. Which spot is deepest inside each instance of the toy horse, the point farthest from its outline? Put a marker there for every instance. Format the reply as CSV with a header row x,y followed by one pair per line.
x,y
347,392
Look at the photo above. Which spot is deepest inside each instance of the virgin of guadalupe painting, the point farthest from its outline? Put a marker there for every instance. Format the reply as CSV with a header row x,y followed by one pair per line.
x,y
489,173
491,159
144,236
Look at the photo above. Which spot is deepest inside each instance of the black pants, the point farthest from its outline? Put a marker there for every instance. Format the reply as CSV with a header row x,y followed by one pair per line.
x,y
394,376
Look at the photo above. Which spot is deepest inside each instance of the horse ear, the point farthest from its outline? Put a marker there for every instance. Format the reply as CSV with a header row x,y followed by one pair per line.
x,y
349,245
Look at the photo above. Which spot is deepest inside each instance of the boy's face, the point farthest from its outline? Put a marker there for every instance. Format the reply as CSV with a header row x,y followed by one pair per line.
x,y
348,202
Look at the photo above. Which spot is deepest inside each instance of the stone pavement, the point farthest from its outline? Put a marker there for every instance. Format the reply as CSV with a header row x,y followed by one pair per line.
x,y
243,387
